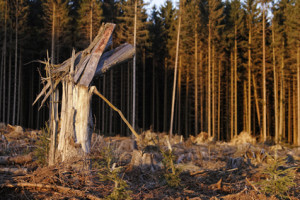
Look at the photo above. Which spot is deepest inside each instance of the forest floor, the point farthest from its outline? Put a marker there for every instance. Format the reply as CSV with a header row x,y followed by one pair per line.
x,y
208,169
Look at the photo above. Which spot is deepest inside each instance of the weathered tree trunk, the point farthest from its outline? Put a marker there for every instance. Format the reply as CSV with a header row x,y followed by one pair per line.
x,y
219,98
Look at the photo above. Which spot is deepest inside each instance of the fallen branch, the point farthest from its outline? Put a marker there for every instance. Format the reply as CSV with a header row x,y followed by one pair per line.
x,y
253,186
95,91
53,187
5,160
13,170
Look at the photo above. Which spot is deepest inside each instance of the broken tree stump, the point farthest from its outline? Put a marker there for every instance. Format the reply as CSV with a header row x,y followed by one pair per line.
x,y
76,75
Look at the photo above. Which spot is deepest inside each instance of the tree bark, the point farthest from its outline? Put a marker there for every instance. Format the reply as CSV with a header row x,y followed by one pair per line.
x,y
175,76
249,76
16,66
196,80
134,66
235,82
264,78
275,87
209,80
298,95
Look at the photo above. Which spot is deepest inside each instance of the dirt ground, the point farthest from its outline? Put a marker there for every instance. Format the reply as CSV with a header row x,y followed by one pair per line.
x,y
208,169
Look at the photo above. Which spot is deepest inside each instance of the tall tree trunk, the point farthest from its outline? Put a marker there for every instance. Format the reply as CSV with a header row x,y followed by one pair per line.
x,y
144,89
275,87
111,100
186,115
249,77
134,66
256,101
196,80
175,76
298,87
179,96
264,79
235,82
165,94
103,104
290,112
231,97
19,112
91,21
9,78
209,80
16,67
219,99
4,65
201,89
282,96
213,91
153,95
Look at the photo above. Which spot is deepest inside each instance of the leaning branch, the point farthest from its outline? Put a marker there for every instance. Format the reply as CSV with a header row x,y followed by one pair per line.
x,y
95,91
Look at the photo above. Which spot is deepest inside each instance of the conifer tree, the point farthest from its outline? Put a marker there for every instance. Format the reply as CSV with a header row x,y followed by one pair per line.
x,y
89,22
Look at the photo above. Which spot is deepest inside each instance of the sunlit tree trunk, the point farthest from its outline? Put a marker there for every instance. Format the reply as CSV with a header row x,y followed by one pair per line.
x,y
165,94
264,77
231,96
256,101
298,94
275,87
196,80
249,76
144,89
209,81
179,96
213,91
235,82
201,89
282,99
219,99
175,76
134,66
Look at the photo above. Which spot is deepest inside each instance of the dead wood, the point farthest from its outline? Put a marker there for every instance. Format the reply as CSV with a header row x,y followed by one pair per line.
x,y
95,91
5,160
52,187
14,170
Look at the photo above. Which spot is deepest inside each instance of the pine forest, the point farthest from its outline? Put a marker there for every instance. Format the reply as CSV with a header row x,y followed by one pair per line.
x,y
193,81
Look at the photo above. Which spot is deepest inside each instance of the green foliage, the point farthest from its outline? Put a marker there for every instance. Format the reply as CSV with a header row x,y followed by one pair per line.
x,y
42,146
109,172
172,173
279,180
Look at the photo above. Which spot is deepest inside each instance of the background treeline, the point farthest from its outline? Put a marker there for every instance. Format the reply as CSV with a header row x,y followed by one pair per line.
x,y
239,63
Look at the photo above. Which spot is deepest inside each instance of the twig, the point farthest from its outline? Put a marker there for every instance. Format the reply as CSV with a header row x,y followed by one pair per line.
x,y
95,91
53,187
253,186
